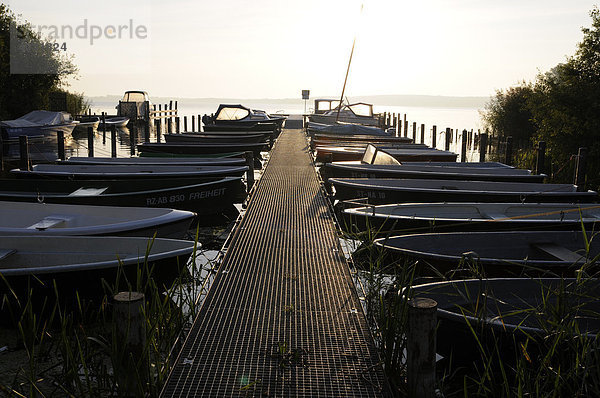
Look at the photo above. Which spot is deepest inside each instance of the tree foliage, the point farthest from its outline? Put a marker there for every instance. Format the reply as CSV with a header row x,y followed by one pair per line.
x,y
562,107
24,92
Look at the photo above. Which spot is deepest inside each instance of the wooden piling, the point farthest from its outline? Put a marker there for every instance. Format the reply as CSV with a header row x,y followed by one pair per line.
x,y
103,122
193,123
177,124
581,169
169,125
2,153
113,141
448,138
130,333
90,137
158,129
434,137
132,139
420,358
509,150
463,150
185,129
147,133
414,137
483,142
60,140
405,126
199,123
250,173
422,133
541,158
24,163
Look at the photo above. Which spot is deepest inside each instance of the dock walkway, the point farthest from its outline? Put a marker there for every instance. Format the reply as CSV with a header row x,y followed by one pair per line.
x,y
282,317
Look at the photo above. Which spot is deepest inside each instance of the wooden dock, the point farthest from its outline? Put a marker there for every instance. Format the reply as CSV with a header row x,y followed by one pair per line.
x,y
282,317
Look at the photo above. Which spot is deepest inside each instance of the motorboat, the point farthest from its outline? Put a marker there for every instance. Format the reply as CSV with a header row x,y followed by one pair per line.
x,y
328,111
38,123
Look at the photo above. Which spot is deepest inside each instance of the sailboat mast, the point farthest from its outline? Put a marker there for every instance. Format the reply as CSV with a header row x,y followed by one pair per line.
x,y
345,81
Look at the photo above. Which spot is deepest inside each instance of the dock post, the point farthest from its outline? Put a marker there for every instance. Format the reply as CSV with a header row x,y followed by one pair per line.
x,y
193,123
90,137
434,137
103,122
24,153
177,124
448,137
158,129
405,126
414,137
185,124
199,123
130,332
133,139
250,174
464,138
541,158
508,153
420,347
169,125
147,133
422,133
2,153
113,141
483,142
581,169
170,106
60,139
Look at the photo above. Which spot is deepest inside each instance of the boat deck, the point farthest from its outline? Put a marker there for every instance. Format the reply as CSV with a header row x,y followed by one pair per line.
x,y
282,317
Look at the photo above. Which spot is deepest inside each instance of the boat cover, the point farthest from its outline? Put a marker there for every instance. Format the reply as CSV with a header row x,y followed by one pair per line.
x,y
39,118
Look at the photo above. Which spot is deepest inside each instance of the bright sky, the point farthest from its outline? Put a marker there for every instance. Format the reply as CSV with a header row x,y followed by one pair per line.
x,y
275,48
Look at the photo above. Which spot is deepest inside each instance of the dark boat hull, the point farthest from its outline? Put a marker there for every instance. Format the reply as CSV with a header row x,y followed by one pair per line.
x,y
203,149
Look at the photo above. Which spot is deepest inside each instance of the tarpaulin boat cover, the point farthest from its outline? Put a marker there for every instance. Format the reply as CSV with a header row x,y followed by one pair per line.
x,y
39,118
346,129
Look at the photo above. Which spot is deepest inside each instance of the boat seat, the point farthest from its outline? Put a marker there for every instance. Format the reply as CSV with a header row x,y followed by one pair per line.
x,y
558,251
6,252
50,222
88,191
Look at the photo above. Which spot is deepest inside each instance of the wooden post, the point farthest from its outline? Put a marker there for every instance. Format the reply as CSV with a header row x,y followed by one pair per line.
x,y
130,333
169,125
133,139
422,133
147,133
414,137
483,140
158,129
185,124
170,106
463,150
175,105
24,153
541,158
420,350
434,137
508,153
160,107
199,123
448,137
90,141
113,141
2,153
60,139
193,123
177,124
103,122
250,174
405,126
581,169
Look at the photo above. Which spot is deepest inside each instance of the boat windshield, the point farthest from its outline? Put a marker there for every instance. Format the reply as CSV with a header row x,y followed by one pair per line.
x,y
361,109
134,97
231,113
326,105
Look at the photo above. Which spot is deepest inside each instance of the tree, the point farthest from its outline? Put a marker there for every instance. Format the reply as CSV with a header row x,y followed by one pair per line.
x,y
24,92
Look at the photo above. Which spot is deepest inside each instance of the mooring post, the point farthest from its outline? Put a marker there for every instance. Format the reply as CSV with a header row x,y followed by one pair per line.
x,y
199,123
581,169
177,124
193,123
414,135
541,158
405,126
60,140
422,133
509,149
483,141
2,153
250,173
90,137
147,133
420,355
133,139
170,106
434,137
113,141
170,125
463,150
103,122
130,333
185,124
158,129
24,153
448,137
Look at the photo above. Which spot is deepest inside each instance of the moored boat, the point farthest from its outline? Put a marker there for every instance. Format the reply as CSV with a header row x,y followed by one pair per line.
x,y
38,123
201,149
175,161
401,152
19,218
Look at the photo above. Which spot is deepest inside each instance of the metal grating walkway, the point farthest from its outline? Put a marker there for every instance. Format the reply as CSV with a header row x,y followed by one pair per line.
x,y
282,317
